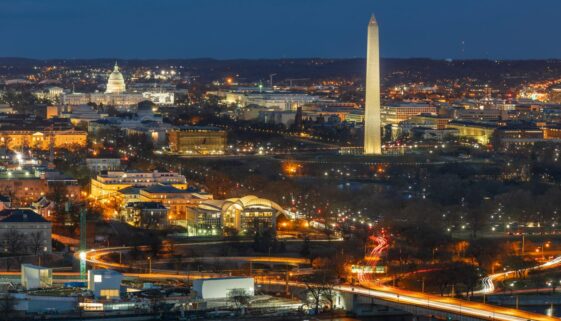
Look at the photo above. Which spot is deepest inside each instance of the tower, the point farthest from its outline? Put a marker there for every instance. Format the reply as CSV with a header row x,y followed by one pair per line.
x,y
372,121
298,119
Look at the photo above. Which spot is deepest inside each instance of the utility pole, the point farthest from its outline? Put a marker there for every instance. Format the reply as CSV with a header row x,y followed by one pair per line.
x,y
83,243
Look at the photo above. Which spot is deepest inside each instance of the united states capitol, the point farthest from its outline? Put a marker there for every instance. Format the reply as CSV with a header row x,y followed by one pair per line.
x,y
116,94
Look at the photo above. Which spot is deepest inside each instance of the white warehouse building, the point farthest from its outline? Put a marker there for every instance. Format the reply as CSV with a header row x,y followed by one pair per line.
x,y
36,277
219,288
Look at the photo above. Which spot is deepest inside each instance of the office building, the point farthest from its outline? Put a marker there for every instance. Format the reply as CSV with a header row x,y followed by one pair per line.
x,y
197,140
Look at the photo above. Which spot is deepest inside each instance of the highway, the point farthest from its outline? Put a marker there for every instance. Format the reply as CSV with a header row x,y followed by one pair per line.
x,y
488,283
367,288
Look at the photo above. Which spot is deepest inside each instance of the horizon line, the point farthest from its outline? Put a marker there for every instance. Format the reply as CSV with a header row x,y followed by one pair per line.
x,y
284,58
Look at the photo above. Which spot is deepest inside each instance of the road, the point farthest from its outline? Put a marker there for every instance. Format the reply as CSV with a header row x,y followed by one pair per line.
x,y
422,300
367,288
488,283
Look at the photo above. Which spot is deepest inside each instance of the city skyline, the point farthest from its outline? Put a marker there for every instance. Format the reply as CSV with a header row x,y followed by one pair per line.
x,y
290,29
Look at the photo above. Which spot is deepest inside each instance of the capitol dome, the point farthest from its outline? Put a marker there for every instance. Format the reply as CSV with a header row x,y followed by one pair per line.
x,y
116,82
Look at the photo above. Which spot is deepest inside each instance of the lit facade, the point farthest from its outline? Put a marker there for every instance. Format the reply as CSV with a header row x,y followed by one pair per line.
x,y
481,132
116,82
108,184
147,215
395,114
243,214
69,139
197,140
116,94
25,187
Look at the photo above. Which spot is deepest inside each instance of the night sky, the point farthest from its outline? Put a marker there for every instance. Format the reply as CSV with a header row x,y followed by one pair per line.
x,y
503,29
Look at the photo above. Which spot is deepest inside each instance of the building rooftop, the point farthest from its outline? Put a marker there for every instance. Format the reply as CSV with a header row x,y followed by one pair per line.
x,y
199,128
161,188
146,205
21,215
132,190
474,123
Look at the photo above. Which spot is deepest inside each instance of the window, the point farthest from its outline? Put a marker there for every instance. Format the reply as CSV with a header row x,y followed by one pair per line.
x,y
109,293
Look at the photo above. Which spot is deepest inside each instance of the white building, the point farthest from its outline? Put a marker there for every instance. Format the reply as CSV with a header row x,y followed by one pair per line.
x,y
109,183
103,164
219,288
274,100
116,94
36,277
82,113
105,283
160,98
116,82
243,214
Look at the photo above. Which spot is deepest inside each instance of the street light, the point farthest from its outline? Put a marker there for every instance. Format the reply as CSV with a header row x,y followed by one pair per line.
x,y
149,265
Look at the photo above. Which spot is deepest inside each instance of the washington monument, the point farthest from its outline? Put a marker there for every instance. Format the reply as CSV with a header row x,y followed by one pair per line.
x,y
372,122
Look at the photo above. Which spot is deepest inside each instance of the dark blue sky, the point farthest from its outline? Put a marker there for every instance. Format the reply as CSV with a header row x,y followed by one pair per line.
x,y
504,29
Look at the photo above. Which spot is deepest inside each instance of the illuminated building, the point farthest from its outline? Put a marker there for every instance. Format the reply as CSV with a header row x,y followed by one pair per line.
x,y
16,139
51,93
116,94
52,112
219,288
552,132
108,184
174,199
243,214
555,95
282,101
36,277
197,140
428,124
147,215
480,114
26,186
355,117
160,98
517,136
482,132
103,164
395,114
116,82
118,100
82,113
372,121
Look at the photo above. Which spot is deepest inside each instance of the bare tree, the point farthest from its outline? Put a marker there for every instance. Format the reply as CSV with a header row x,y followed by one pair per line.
x,y
35,242
15,242
240,298
320,286
314,296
